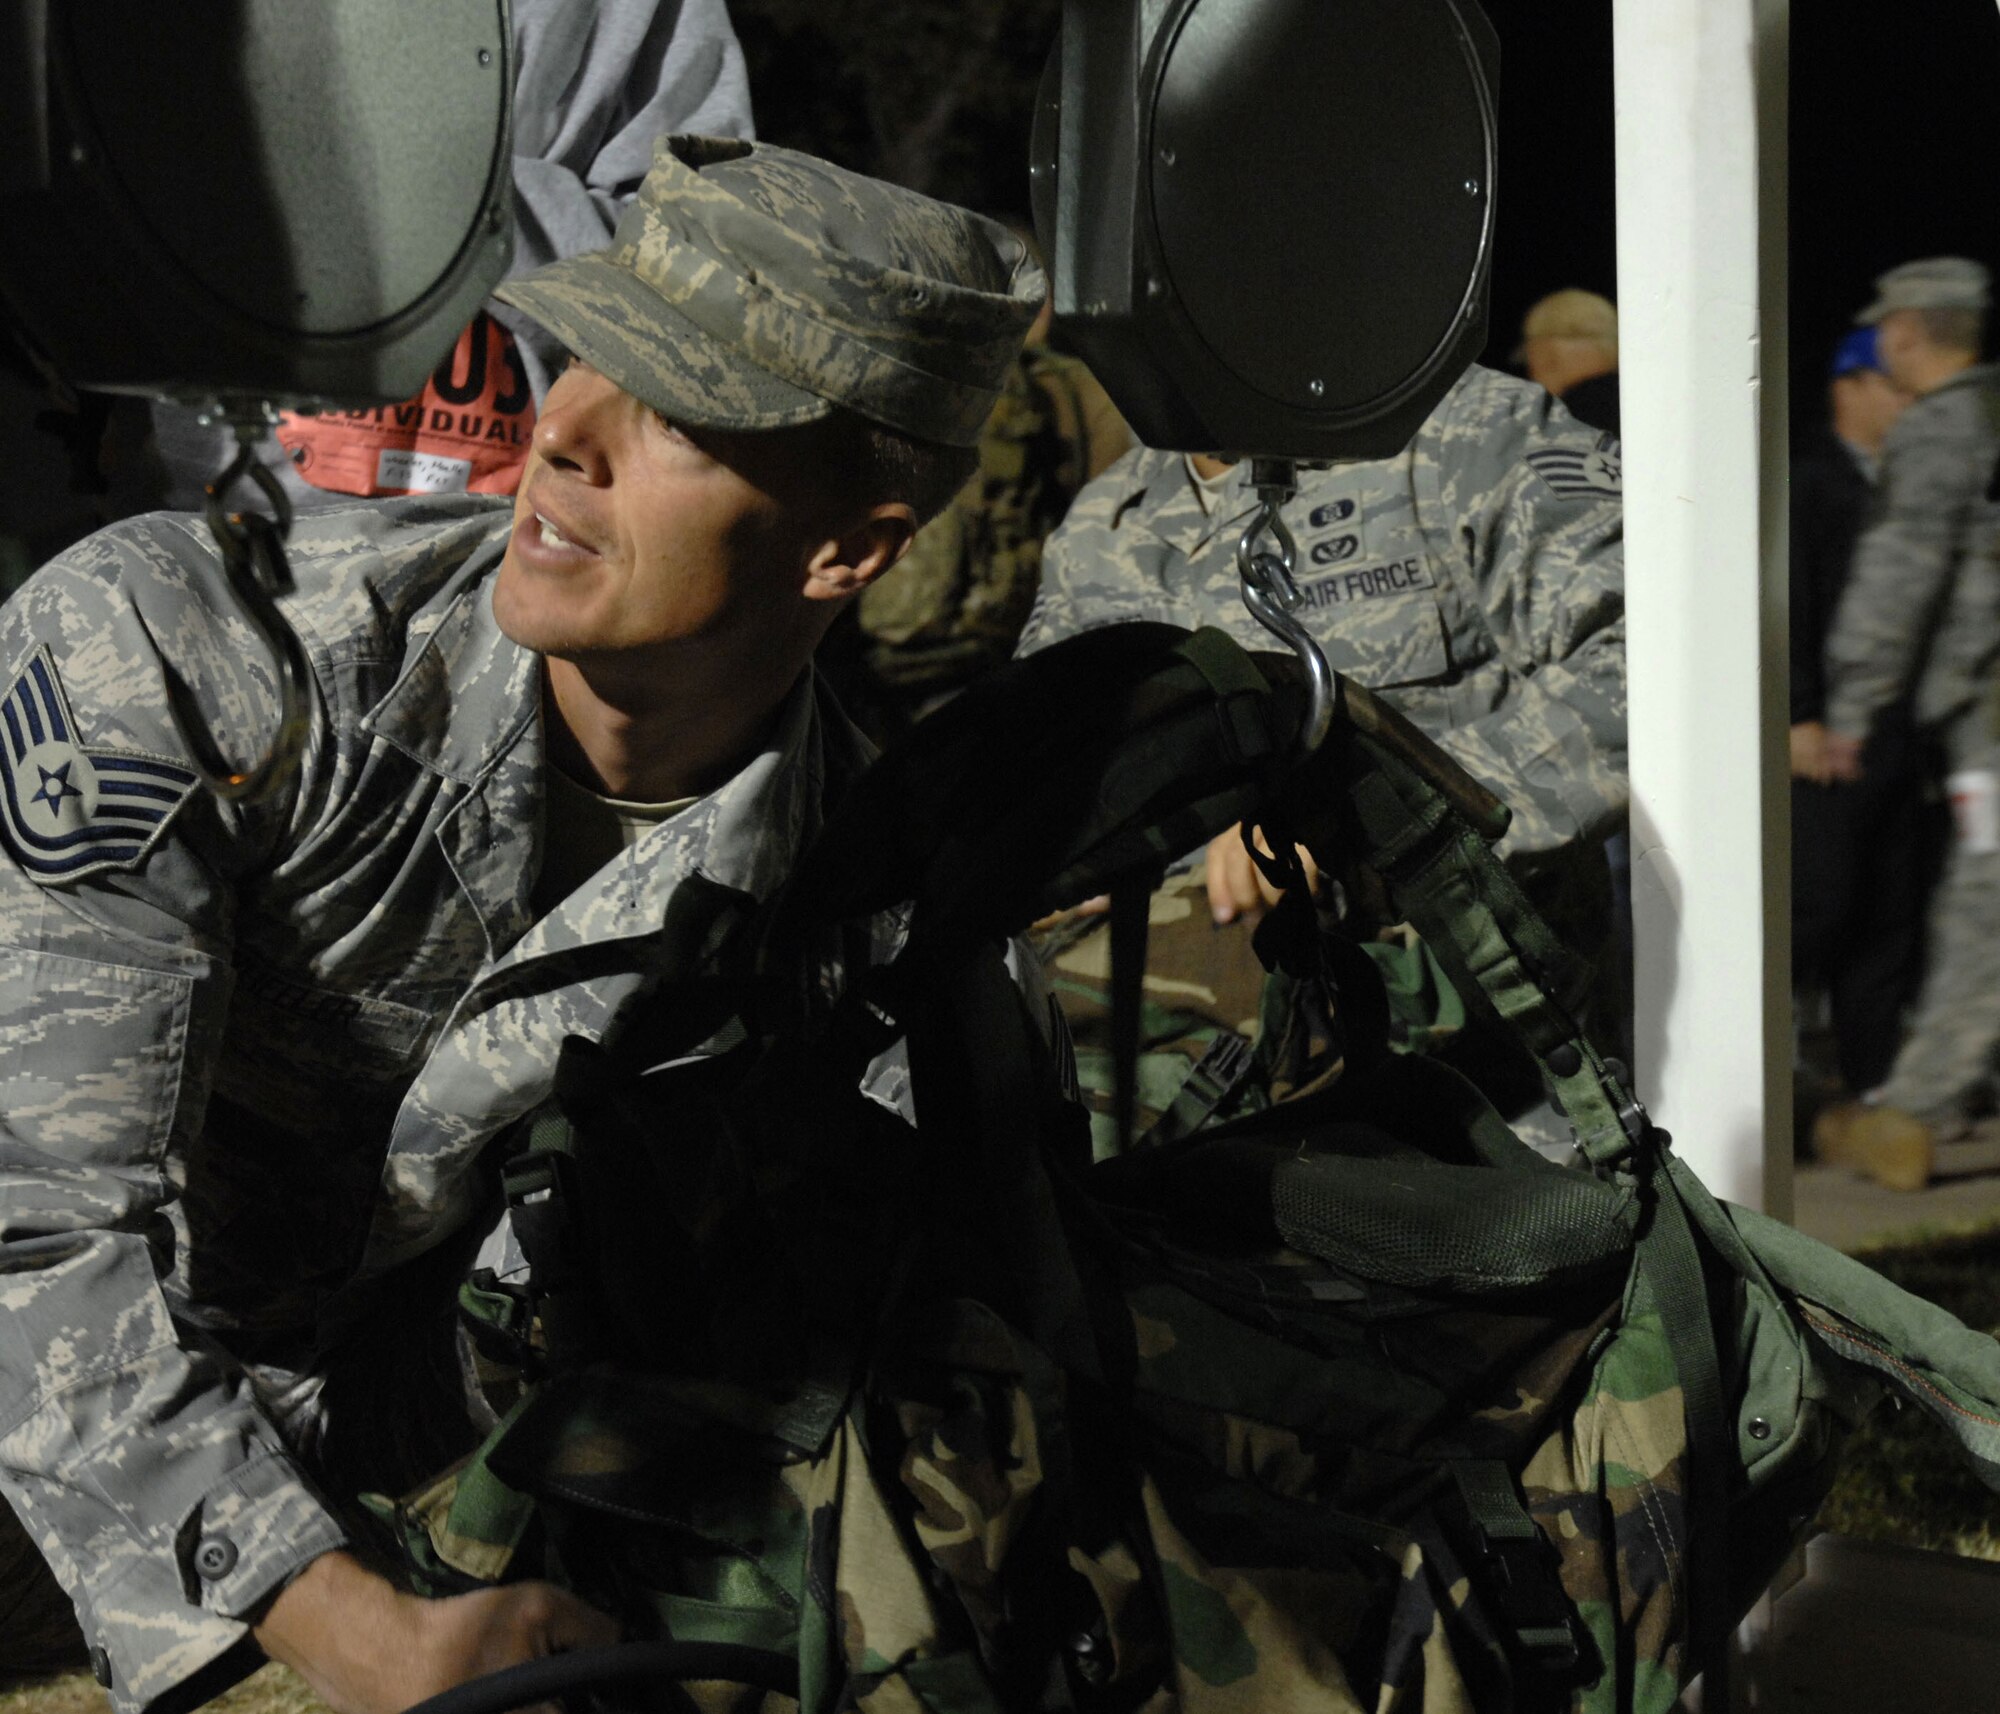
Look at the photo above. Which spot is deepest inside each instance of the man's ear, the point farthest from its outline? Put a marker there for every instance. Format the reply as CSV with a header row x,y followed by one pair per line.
x,y
846,564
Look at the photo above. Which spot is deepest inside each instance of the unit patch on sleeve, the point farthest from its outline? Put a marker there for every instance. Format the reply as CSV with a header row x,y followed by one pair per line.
x,y
67,812
1576,474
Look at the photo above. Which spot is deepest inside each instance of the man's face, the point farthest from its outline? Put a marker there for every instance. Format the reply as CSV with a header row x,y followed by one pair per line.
x,y
1881,402
632,534
1898,337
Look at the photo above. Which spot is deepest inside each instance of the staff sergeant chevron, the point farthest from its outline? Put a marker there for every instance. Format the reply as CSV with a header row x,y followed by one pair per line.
x,y
67,812
1574,474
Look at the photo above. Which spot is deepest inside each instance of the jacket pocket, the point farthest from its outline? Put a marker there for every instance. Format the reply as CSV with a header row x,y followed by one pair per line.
x,y
92,1068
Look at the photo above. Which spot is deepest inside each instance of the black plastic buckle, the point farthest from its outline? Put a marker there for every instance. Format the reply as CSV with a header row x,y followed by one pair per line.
x,y
1526,1578
541,1203
1523,1578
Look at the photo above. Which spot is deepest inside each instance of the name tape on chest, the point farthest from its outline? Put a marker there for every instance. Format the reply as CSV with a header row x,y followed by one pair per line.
x,y
1367,583
1576,474
66,811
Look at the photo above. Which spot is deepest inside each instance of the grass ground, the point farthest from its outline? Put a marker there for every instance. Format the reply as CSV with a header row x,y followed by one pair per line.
x,y
1902,1482
274,1690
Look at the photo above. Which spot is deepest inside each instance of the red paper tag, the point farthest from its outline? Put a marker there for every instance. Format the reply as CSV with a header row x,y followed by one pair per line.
x,y
467,432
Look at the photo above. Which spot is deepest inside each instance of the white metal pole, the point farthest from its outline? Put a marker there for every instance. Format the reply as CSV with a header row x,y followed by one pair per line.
x,y
1701,279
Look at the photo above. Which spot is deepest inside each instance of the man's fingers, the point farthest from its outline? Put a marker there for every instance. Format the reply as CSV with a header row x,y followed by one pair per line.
x,y
1232,878
1237,886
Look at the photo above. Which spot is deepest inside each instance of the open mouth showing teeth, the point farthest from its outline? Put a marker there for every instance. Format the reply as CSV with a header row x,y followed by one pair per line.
x,y
551,536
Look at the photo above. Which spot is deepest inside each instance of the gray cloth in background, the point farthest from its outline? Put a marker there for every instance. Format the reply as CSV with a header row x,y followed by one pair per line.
x,y
595,82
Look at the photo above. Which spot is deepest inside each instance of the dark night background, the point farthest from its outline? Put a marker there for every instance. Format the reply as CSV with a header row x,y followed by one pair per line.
x,y
1895,131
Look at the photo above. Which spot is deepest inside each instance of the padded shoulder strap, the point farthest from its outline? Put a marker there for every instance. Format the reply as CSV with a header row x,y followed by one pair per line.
x,y
1424,825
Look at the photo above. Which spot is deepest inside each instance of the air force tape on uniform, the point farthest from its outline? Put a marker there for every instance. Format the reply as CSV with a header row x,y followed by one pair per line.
x,y
67,811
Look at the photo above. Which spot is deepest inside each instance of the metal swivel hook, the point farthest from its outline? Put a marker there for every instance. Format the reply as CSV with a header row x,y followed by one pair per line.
x,y
1274,598
253,559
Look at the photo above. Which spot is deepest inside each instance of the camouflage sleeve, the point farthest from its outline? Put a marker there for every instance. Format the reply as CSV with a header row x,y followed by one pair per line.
x,y
1091,575
132,1452
1527,499
1902,567
594,88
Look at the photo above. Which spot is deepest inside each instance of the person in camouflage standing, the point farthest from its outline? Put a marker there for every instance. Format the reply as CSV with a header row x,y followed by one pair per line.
x,y
1921,616
1477,578
259,1050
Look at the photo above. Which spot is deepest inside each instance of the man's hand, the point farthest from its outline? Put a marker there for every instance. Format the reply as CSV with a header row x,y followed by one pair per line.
x,y
1809,752
366,1647
1236,886
1843,758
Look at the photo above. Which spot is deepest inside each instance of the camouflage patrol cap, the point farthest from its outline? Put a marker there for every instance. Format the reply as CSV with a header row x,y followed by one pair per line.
x,y
752,287
1938,282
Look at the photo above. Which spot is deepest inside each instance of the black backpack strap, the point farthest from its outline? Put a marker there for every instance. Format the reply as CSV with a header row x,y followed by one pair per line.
x,y
1131,902
986,1106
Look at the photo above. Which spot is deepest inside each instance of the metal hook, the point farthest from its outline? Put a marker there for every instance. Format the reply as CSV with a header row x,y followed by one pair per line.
x,y
247,463
253,560
1273,596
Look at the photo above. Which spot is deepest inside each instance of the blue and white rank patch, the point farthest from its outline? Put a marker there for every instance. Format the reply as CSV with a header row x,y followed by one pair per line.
x,y
67,812
1576,474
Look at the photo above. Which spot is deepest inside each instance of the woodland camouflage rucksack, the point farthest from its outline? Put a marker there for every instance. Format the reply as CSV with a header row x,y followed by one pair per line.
x,y
954,606
1354,1403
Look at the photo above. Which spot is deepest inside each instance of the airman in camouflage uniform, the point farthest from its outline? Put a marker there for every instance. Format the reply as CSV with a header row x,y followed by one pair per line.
x,y
1921,617
1478,579
259,1051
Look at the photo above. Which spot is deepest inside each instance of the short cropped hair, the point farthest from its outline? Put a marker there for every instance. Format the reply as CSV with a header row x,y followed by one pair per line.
x,y
1954,329
888,464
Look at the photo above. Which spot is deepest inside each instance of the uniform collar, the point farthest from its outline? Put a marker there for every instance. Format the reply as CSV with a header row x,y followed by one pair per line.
x,y
468,693
745,835
1166,503
573,972
1979,375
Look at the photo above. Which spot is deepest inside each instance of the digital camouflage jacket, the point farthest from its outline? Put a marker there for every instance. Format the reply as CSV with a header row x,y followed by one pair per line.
x,y
1921,612
255,1054
1478,578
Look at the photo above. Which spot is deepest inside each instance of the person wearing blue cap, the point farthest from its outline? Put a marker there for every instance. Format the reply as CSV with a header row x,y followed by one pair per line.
x,y
1919,621
1857,871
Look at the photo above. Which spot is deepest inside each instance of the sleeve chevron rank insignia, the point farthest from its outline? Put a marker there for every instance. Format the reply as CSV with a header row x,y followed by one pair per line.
x,y
1579,474
65,811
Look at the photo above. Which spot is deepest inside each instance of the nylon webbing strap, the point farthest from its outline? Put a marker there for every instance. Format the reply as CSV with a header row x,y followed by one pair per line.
x,y
1131,901
1672,1262
1445,878
1224,663
1523,1570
